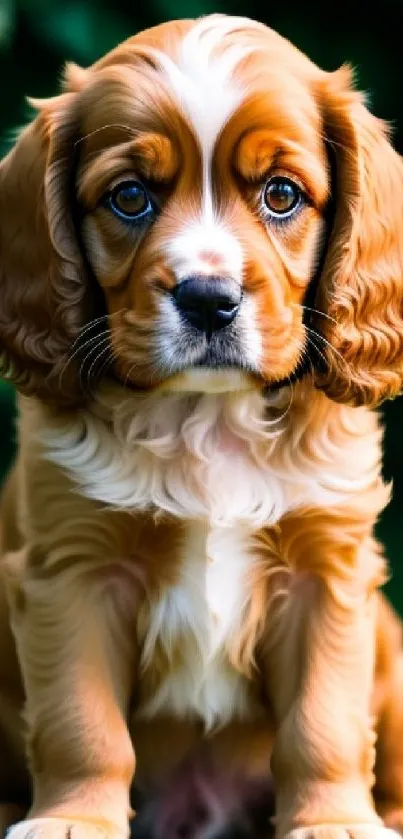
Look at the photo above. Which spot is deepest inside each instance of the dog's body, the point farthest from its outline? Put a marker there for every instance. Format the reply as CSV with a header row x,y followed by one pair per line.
x,y
190,563
185,595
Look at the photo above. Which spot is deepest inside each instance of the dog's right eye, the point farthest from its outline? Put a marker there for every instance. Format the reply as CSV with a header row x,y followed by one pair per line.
x,y
282,197
130,201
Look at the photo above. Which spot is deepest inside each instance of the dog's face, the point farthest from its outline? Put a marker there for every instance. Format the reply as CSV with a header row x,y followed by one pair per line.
x,y
202,204
187,185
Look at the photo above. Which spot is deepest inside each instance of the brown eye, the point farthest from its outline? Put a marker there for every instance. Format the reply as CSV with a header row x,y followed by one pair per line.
x,y
282,196
130,201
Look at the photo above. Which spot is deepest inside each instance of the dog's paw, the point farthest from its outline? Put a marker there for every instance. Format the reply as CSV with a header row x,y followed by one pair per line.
x,y
343,831
53,828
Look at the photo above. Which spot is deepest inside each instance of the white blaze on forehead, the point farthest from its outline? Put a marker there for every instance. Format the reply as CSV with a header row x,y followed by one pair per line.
x,y
202,79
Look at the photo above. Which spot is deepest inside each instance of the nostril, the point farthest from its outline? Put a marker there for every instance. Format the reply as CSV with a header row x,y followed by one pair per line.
x,y
225,308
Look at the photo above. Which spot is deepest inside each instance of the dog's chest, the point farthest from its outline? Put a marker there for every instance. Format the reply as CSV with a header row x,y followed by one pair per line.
x,y
221,467
192,625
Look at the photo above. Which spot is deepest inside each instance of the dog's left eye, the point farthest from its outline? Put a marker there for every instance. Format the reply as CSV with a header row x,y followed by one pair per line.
x,y
130,201
282,197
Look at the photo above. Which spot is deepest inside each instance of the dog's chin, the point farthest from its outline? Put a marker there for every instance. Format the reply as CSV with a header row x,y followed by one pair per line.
x,y
205,380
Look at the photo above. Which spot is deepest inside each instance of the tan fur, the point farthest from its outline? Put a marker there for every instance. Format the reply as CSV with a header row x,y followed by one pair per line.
x,y
117,476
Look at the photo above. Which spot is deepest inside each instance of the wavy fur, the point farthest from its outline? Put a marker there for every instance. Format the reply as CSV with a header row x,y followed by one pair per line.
x,y
189,591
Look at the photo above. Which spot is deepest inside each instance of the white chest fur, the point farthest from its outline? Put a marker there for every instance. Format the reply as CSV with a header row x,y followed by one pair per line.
x,y
228,459
205,609
226,465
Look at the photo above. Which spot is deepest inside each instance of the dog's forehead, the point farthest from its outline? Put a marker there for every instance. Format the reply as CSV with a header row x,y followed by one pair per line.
x,y
201,73
206,70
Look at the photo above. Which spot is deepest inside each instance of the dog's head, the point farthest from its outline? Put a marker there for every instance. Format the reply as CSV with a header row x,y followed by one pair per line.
x,y
203,208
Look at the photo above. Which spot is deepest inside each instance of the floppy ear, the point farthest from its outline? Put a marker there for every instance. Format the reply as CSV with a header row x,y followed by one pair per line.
x,y
361,287
43,292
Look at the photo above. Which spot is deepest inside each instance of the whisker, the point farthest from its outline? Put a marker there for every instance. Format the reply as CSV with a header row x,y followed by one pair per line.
x,y
93,374
328,344
103,334
94,322
113,356
280,417
78,350
318,350
318,312
336,144
129,372
93,364
120,125
288,409
104,342
89,326
110,358
332,350
306,356
312,370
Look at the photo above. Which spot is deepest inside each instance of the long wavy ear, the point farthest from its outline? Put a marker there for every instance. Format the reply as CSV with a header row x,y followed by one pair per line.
x,y
361,288
43,290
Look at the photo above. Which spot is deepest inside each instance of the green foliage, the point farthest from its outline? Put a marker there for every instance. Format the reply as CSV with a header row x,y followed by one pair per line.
x,y
7,429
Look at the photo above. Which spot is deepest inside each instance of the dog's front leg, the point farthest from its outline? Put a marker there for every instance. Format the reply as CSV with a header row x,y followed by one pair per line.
x,y
318,654
76,644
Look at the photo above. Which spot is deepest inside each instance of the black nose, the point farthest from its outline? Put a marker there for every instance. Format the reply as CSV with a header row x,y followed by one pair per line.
x,y
208,303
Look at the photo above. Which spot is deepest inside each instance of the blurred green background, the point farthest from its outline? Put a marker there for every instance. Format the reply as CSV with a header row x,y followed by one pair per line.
x,y
37,36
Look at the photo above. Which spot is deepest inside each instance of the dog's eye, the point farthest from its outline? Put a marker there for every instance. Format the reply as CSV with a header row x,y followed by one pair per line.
x,y
282,196
130,201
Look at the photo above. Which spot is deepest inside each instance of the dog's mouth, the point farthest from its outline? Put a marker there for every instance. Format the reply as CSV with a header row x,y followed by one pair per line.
x,y
221,364
214,363
185,360
214,370
223,353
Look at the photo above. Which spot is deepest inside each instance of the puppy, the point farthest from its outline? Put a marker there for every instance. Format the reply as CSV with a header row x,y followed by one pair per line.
x,y
201,304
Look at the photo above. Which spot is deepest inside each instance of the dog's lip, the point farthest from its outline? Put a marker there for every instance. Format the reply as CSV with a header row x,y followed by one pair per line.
x,y
209,380
199,378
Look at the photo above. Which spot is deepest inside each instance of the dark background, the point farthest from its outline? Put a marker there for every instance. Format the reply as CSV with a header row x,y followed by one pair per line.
x,y
37,36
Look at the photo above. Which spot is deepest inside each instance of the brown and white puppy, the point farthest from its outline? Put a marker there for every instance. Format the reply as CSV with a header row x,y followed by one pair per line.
x,y
201,300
